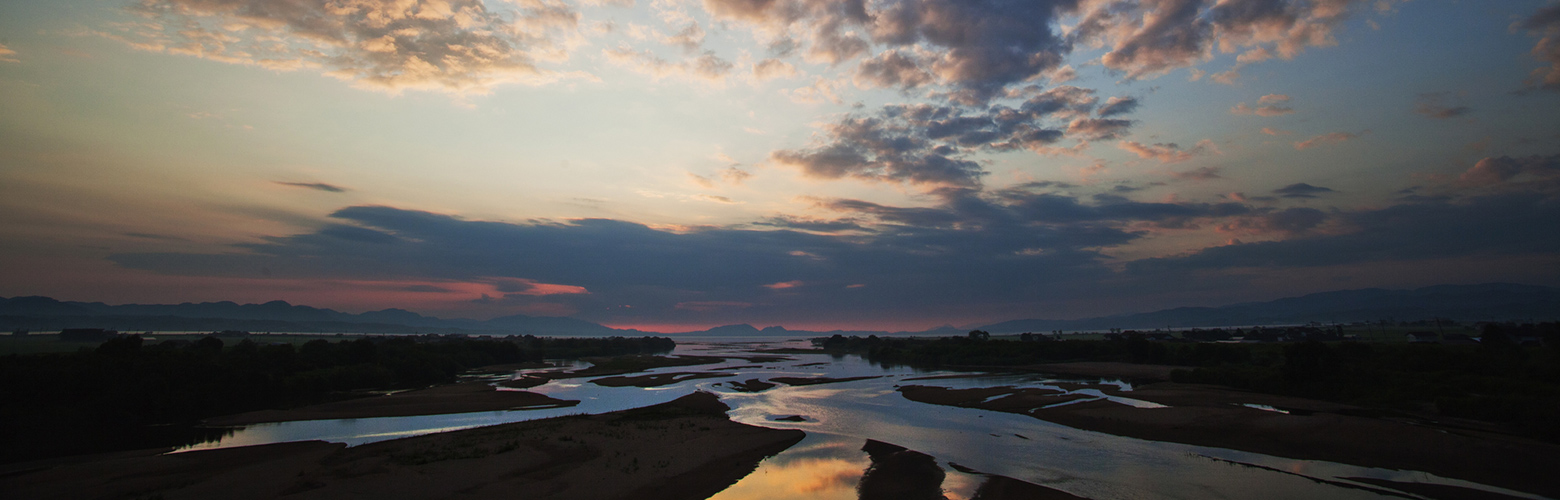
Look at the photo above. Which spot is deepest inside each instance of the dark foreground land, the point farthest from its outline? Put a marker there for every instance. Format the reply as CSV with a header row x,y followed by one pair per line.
x,y
454,398
124,395
899,473
684,449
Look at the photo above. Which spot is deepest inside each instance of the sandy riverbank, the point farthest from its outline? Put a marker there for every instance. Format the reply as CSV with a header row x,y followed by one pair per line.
x,y
655,379
685,449
818,380
898,473
454,398
1315,430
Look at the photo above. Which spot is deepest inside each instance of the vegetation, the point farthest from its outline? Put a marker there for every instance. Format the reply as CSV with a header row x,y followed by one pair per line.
x,y
125,395
1495,380
978,350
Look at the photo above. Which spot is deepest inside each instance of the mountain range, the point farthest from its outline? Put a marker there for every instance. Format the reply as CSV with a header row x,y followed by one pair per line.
x,y
1493,301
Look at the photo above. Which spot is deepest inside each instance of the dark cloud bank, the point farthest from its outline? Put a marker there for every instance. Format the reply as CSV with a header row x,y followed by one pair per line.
x,y
1004,251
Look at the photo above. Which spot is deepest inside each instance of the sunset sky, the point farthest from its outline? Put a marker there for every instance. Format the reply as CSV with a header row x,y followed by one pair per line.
x,y
681,164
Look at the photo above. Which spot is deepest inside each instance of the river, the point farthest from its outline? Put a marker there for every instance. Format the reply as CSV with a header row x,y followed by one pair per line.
x,y
840,417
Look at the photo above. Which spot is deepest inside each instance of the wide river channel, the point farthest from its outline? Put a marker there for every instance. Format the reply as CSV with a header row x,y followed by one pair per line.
x,y
840,417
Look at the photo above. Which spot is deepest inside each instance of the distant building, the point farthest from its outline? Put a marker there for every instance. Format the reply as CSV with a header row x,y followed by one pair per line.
x,y
87,334
1423,338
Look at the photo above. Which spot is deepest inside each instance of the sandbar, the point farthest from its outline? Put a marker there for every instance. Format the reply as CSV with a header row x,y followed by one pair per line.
x,y
684,449
1214,416
655,380
751,385
817,380
463,397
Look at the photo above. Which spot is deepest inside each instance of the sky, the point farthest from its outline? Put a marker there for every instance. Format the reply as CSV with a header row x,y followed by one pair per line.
x,y
674,165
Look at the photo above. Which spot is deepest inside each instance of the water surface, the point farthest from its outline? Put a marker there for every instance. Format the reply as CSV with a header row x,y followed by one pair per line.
x,y
840,417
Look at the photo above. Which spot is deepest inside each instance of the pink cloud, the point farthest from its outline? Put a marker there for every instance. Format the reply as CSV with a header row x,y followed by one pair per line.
x,y
1169,152
1327,139
784,285
707,306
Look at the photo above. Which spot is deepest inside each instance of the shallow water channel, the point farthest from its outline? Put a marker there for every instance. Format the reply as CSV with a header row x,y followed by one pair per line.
x,y
840,417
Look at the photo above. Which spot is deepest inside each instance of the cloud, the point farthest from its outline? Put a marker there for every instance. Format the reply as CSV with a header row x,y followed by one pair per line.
x,y
1501,225
735,175
522,286
977,247
1061,75
1096,129
1326,139
974,48
689,39
1289,221
318,186
1496,170
821,90
1301,190
1118,106
1274,131
1273,99
1545,22
7,55
714,305
706,66
928,145
892,69
1268,105
1198,174
150,236
702,181
784,285
1009,250
773,68
456,46
425,289
1169,152
1433,105
1151,38
809,224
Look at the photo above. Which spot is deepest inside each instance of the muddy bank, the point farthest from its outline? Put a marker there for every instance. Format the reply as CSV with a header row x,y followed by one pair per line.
x,y
817,380
655,380
455,398
685,449
751,385
898,473
1313,430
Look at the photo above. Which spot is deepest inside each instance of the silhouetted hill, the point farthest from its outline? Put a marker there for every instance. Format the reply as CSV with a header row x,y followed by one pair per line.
x,y
40,306
1495,301
45,314
1492,301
